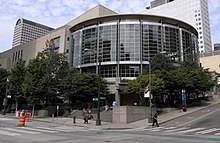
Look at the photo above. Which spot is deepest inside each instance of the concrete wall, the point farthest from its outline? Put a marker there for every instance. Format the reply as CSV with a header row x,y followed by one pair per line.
x,y
128,114
211,62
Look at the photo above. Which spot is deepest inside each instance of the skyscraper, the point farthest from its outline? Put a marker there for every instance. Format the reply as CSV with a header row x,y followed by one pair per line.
x,y
194,12
26,31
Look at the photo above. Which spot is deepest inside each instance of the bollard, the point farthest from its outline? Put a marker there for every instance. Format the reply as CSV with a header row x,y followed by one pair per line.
x,y
52,117
74,119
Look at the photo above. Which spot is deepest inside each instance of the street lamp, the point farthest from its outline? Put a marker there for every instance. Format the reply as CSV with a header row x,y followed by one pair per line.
x,y
98,120
150,95
99,60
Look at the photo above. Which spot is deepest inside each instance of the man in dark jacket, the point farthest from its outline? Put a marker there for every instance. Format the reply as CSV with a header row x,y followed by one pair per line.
x,y
155,119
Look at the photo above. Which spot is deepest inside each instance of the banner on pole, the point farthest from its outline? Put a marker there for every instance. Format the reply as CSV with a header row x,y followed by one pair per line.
x,y
147,92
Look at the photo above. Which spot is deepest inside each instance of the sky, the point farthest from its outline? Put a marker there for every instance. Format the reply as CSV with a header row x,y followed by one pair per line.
x,y
55,13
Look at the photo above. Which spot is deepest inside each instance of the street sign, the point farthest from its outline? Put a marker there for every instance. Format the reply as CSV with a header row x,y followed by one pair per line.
x,y
103,98
8,96
94,99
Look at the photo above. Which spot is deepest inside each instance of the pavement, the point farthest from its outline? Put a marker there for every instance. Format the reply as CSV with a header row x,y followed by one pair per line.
x,y
162,118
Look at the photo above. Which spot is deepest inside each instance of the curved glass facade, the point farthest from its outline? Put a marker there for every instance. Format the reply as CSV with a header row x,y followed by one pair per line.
x,y
127,45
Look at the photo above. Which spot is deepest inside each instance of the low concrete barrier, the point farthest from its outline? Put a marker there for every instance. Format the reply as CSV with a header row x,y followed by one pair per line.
x,y
128,114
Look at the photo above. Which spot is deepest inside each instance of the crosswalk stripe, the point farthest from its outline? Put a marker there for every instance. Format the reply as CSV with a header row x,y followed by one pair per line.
x,y
45,128
208,131
152,128
66,129
191,130
9,134
19,129
40,130
5,119
69,129
174,130
169,128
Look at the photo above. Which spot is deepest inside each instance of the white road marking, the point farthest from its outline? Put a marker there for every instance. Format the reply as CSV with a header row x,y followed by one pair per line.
x,y
191,130
174,130
6,119
9,134
208,131
40,130
64,129
217,134
20,130
153,128
69,129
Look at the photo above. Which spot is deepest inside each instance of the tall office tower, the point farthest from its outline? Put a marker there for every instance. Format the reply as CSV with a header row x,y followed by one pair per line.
x,y
194,12
26,31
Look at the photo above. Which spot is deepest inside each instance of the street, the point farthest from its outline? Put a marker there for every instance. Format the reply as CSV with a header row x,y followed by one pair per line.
x,y
198,127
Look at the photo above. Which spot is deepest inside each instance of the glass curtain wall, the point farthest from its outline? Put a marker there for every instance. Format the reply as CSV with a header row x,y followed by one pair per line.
x,y
89,45
133,39
129,48
129,42
76,49
172,43
151,41
187,46
107,42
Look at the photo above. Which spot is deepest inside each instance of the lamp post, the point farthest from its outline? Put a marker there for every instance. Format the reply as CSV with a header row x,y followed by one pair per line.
x,y
98,120
99,60
150,95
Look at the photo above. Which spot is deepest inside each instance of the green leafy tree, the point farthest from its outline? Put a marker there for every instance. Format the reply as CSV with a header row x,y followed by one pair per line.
x,y
56,69
33,85
68,85
3,82
16,79
190,77
44,77
137,86
86,86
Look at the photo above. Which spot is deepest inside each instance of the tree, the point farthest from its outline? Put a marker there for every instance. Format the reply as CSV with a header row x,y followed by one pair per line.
x,y
44,77
56,69
68,85
190,77
161,62
86,86
16,78
33,85
3,82
137,86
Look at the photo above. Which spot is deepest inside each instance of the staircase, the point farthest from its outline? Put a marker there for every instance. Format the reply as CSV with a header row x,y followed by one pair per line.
x,y
104,116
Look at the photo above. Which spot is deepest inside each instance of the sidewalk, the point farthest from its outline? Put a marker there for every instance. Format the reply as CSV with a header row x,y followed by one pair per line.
x,y
138,124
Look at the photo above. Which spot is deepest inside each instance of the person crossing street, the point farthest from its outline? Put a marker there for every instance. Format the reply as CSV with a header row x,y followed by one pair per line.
x,y
155,120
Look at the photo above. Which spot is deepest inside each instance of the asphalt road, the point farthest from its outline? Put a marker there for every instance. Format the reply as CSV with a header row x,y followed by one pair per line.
x,y
199,127
207,118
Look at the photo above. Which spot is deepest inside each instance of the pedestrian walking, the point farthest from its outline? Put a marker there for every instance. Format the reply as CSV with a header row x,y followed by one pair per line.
x,y
106,108
85,116
114,103
155,120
